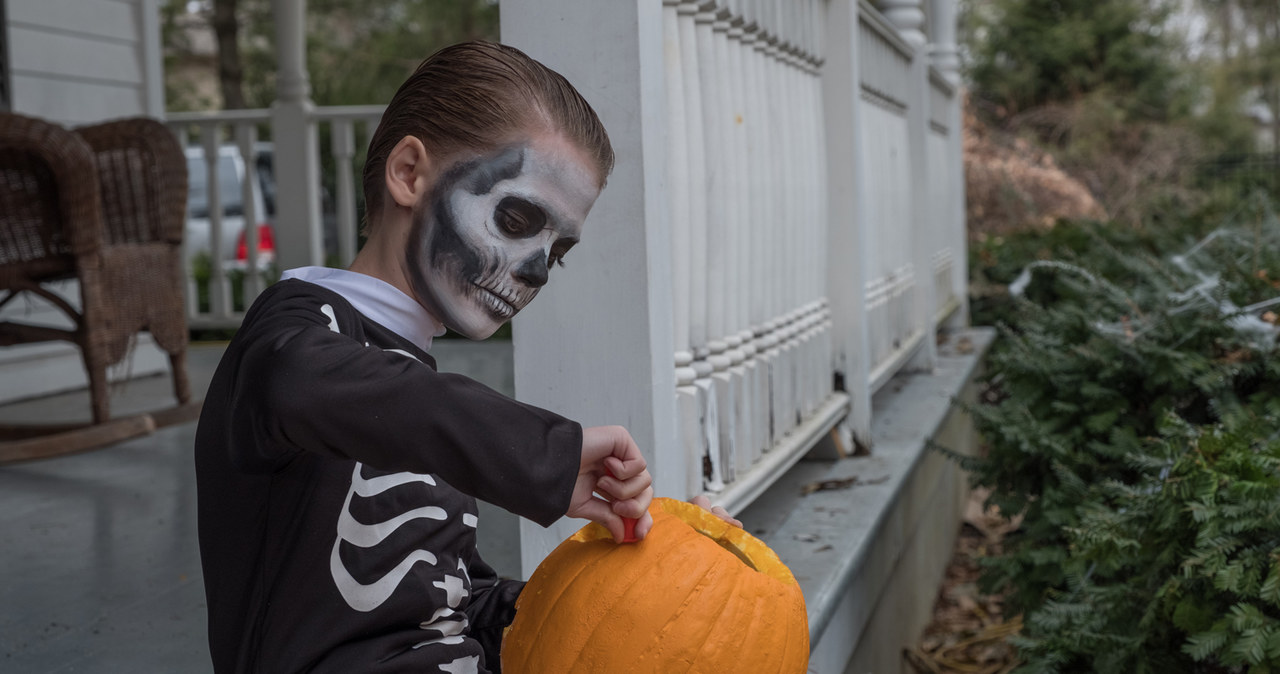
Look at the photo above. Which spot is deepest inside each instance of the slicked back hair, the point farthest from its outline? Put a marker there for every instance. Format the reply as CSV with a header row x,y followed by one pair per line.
x,y
474,96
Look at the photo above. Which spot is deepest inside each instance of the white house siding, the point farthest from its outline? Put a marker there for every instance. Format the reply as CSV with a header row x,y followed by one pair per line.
x,y
77,62
81,61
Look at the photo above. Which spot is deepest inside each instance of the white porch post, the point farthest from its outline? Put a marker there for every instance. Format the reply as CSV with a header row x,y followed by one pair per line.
x,y
908,17
597,345
847,253
152,59
297,154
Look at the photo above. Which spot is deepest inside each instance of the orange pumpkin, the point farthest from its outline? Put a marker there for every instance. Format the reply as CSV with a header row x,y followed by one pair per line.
x,y
696,595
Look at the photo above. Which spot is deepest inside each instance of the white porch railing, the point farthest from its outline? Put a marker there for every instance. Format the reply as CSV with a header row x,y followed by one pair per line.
x,y
785,216
749,310
217,294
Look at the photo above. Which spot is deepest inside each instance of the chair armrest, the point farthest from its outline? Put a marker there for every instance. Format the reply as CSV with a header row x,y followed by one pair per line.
x,y
142,175
50,205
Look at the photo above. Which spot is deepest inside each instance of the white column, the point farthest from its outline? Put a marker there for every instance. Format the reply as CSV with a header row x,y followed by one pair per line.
x,y
597,344
908,17
297,154
847,254
152,59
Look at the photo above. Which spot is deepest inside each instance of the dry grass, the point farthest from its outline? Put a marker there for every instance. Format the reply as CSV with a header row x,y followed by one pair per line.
x,y
968,632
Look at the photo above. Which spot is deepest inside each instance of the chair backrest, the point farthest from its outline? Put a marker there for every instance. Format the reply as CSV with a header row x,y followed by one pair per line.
x,y
142,174
50,210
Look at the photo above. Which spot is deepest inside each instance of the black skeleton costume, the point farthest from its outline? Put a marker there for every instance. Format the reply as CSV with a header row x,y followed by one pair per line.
x,y
336,471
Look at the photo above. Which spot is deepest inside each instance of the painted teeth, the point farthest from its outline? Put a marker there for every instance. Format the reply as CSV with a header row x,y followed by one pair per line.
x,y
499,305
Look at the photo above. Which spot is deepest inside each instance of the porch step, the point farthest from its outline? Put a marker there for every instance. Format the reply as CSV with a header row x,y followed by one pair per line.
x,y
868,537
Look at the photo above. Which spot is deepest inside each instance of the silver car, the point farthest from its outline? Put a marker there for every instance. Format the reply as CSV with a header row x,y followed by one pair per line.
x,y
231,247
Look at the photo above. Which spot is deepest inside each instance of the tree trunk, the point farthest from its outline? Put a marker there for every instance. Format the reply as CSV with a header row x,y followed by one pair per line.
x,y
226,28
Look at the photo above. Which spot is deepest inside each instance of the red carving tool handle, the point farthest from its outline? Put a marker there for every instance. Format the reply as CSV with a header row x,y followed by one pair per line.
x,y
628,523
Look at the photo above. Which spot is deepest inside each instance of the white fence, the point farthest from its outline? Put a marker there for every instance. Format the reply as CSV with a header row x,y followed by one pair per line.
x,y
783,232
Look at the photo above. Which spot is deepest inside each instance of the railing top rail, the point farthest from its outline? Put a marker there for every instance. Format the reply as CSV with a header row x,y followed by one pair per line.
x,y
872,17
258,115
940,82
203,116
344,112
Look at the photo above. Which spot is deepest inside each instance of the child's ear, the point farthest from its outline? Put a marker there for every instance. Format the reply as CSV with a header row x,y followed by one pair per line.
x,y
408,172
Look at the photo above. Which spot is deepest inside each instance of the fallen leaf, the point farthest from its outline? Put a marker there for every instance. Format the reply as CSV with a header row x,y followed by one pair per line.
x,y
828,485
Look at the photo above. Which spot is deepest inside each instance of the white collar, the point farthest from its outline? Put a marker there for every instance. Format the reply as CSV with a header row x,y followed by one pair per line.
x,y
378,300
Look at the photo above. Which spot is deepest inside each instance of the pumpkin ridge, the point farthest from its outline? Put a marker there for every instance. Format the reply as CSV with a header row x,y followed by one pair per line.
x,y
567,592
790,646
705,588
689,599
758,624
709,641
618,598
547,609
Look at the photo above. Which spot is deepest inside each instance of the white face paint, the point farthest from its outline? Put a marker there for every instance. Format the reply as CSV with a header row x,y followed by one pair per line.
x,y
485,238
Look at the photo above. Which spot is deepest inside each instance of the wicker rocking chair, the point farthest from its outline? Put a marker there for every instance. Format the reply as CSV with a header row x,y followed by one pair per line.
x,y
104,205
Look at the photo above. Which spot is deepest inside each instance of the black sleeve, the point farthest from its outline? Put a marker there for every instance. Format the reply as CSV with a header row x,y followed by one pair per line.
x,y
301,386
490,610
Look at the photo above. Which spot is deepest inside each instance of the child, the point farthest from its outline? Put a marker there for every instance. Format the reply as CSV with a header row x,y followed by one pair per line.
x,y
337,470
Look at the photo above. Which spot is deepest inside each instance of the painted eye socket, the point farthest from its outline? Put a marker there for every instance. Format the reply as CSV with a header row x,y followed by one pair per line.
x,y
518,218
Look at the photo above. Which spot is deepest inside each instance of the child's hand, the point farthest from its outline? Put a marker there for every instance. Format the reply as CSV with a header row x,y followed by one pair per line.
x,y
613,481
702,501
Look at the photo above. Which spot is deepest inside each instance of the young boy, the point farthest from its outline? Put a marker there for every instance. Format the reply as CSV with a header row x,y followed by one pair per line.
x,y
337,470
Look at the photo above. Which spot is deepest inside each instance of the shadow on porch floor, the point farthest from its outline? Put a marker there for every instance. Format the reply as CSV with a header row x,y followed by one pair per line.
x,y
99,561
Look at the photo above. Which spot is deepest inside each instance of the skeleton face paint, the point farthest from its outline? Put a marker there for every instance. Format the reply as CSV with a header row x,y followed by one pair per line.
x,y
485,238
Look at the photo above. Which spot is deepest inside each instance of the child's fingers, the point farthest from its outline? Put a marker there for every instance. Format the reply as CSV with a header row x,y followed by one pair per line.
x,y
598,510
634,507
620,490
702,501
643,525
624,468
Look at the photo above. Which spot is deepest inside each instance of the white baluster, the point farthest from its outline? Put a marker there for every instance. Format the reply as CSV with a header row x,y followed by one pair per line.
x,y
723,213
246,137
219,288
699,329
751,239
678,179
908,17
946,56
740,230
343,146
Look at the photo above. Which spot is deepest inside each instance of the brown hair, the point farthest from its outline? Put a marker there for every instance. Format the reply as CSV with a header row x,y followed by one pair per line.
x,y
474,96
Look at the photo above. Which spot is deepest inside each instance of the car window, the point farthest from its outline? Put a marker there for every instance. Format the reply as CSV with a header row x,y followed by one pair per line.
x,y
228,184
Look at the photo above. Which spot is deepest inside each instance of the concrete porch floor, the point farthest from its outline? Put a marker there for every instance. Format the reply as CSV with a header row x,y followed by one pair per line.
x,y
99,563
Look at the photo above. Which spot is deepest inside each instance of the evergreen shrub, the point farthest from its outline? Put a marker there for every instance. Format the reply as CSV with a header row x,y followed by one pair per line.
x,y
1132,419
